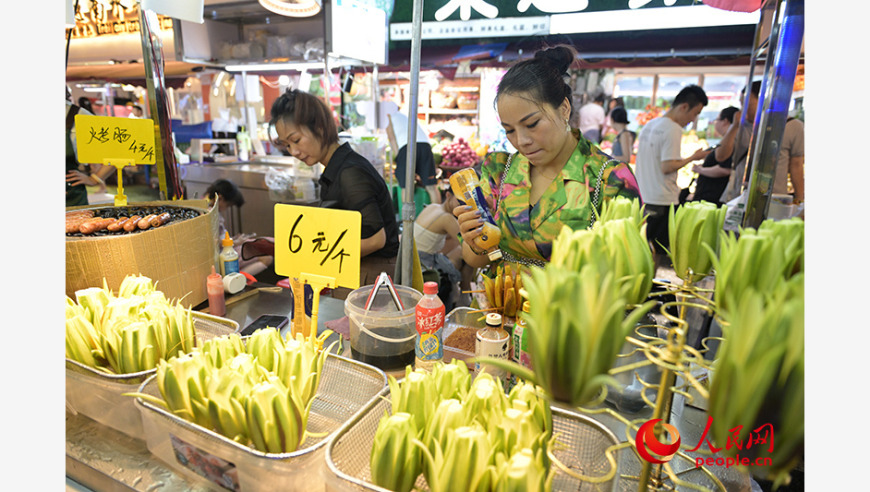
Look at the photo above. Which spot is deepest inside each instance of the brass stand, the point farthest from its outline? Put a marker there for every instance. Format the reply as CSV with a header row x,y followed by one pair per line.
x,y
674,357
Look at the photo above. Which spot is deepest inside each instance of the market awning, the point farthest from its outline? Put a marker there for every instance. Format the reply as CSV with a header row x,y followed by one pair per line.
x,y
174,73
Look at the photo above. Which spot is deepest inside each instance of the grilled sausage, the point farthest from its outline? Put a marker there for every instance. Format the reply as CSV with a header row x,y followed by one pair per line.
x,y
117,225
145,223
159,220
131,224
94,225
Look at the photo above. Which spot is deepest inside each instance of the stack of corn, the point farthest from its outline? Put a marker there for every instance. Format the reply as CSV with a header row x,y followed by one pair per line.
x,y
462,435
577,321
128,332
757,382
256,392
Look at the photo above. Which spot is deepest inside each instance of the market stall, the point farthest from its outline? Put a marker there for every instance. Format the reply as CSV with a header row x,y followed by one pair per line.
x,y
616,375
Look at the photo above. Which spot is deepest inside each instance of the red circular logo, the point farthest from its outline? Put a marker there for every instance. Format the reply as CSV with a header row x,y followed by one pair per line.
x,y
646,438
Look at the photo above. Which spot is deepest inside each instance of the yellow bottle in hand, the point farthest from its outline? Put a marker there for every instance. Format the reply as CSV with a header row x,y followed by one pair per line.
x,y
466,186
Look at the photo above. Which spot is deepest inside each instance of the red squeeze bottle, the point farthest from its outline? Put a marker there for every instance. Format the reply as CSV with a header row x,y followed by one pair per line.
x,y
215,287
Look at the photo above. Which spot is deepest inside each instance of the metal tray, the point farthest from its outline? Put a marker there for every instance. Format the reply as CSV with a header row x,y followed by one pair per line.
x,y
346,388
99,396
582,446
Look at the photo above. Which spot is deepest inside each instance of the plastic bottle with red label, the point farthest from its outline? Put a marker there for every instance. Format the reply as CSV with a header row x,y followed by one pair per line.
x,y
429,320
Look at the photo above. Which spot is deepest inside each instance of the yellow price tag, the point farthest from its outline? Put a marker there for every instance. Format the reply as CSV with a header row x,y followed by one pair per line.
x,y
318,241
109,137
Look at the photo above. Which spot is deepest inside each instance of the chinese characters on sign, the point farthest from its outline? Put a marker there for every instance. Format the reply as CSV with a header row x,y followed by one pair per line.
x,y
318,241
502,18
106,137
98,17
646,441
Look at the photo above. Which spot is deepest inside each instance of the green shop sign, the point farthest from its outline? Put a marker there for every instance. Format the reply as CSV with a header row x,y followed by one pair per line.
x,y
484,19
454,10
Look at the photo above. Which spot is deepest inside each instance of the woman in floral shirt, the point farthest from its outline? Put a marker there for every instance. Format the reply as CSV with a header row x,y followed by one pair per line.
x,y
556,177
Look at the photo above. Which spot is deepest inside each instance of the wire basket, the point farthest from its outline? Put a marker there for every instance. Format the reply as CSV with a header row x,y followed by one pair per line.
x,y
582,446
346,388
99,395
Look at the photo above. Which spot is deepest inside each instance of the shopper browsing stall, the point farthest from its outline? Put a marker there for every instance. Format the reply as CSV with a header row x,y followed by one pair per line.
x,y
556,177
304,127
713,173
658,160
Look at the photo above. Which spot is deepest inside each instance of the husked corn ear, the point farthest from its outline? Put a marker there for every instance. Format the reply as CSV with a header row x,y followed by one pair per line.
x,y
577,325
470,435
620,207
757,382
395,460
693,233
223,387
127,333
759,259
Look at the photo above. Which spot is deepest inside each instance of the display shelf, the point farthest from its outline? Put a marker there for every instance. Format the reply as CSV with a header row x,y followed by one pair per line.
x,y
434,117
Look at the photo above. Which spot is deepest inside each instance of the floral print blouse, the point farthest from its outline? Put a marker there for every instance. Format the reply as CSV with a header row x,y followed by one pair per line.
x,y
528,231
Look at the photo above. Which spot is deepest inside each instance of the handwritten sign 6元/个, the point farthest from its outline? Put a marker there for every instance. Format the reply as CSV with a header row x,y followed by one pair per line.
x,y
318,241
108,137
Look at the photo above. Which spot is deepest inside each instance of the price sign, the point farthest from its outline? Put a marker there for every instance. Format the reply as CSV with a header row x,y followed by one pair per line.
x,y
108,137
318,241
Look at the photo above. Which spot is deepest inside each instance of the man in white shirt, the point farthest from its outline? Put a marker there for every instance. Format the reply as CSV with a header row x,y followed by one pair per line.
x,y
592,118
659,158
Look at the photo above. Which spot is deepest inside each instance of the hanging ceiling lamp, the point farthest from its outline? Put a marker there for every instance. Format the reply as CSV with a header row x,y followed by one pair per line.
x,y
292,8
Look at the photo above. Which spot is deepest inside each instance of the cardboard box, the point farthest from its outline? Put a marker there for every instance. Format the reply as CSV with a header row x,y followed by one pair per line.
x,y
177,257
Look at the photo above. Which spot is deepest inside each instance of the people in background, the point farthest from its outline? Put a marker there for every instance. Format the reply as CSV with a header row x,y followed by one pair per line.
x,y
738,146
551,181
304,127
424,160
623,144
659,158
227,195
713,174
592,118
790,161
135,111
85,104
616,102
80,175
436,234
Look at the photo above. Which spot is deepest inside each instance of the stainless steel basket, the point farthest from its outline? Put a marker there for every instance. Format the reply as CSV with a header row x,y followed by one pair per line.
x,y
346,388
582,446
99,395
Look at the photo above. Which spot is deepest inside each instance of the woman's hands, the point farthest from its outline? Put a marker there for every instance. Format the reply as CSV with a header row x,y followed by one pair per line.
x,y
470,222
77,177
470,227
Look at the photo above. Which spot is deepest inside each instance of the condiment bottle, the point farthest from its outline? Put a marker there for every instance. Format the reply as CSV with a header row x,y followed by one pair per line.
x,y
466,187
215,287
429,320
229,259
492,341
520,341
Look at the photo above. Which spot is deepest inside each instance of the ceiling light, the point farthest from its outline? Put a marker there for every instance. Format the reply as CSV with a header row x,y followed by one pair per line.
x,y
292,8
272,67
